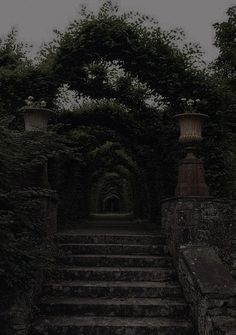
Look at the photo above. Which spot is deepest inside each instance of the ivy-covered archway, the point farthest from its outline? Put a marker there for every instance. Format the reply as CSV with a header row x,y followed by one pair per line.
x,y
151,57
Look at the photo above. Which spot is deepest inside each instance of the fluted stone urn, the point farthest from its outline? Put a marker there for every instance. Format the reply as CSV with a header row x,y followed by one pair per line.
x,y
190,127
36,118
191,175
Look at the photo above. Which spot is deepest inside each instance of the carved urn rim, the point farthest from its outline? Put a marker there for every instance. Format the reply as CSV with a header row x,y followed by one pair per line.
x,y
47,111
182,115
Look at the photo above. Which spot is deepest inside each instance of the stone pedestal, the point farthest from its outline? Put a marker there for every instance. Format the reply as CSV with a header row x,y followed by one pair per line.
x,y
191,178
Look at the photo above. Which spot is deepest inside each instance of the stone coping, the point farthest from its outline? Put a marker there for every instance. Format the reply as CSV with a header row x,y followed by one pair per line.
x,y
208,272
205,198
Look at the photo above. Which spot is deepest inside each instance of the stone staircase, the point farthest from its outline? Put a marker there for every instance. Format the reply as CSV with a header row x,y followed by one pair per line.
x,y
112,283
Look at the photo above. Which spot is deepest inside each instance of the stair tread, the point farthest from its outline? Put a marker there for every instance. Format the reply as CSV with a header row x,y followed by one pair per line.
x,y
114,301
142,284
71,233
113,244
114,268
116,321
118,256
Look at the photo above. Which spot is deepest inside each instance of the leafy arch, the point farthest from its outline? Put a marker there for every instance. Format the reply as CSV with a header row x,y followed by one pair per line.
x,y
144,53
151,56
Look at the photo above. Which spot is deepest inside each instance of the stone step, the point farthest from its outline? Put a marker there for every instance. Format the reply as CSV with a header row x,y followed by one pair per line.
x,y
110,326
114,289
116,249
116,274
112,227
120,282
126,307
111,217
116,260
78,238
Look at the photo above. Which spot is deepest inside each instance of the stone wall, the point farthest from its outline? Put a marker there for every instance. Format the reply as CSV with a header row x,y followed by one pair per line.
x,y
198,230
209,289
203,220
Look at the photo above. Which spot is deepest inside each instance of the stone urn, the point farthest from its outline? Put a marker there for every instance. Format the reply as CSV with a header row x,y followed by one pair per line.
x,y
191,175
36,118
190,127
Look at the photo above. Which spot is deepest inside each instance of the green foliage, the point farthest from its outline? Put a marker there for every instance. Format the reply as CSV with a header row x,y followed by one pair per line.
x,y
22,256
25,253
145,52
15,72
225,41
225,77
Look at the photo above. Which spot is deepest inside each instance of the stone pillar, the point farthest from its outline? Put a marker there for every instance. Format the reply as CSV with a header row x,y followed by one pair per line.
x,y
192,216
36,119
194,223
191,176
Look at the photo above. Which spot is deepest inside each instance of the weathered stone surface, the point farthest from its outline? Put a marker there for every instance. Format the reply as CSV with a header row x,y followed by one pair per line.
x,y
111,325
114,288
211,276
198,220
119,260
208,287
116,238
221,325
135,307
118,249
191,177
117,273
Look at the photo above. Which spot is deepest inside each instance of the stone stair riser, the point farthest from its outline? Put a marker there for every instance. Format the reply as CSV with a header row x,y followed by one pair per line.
x,y
110,239
118,275
110,330
177,310
112,292
89,260
125,249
